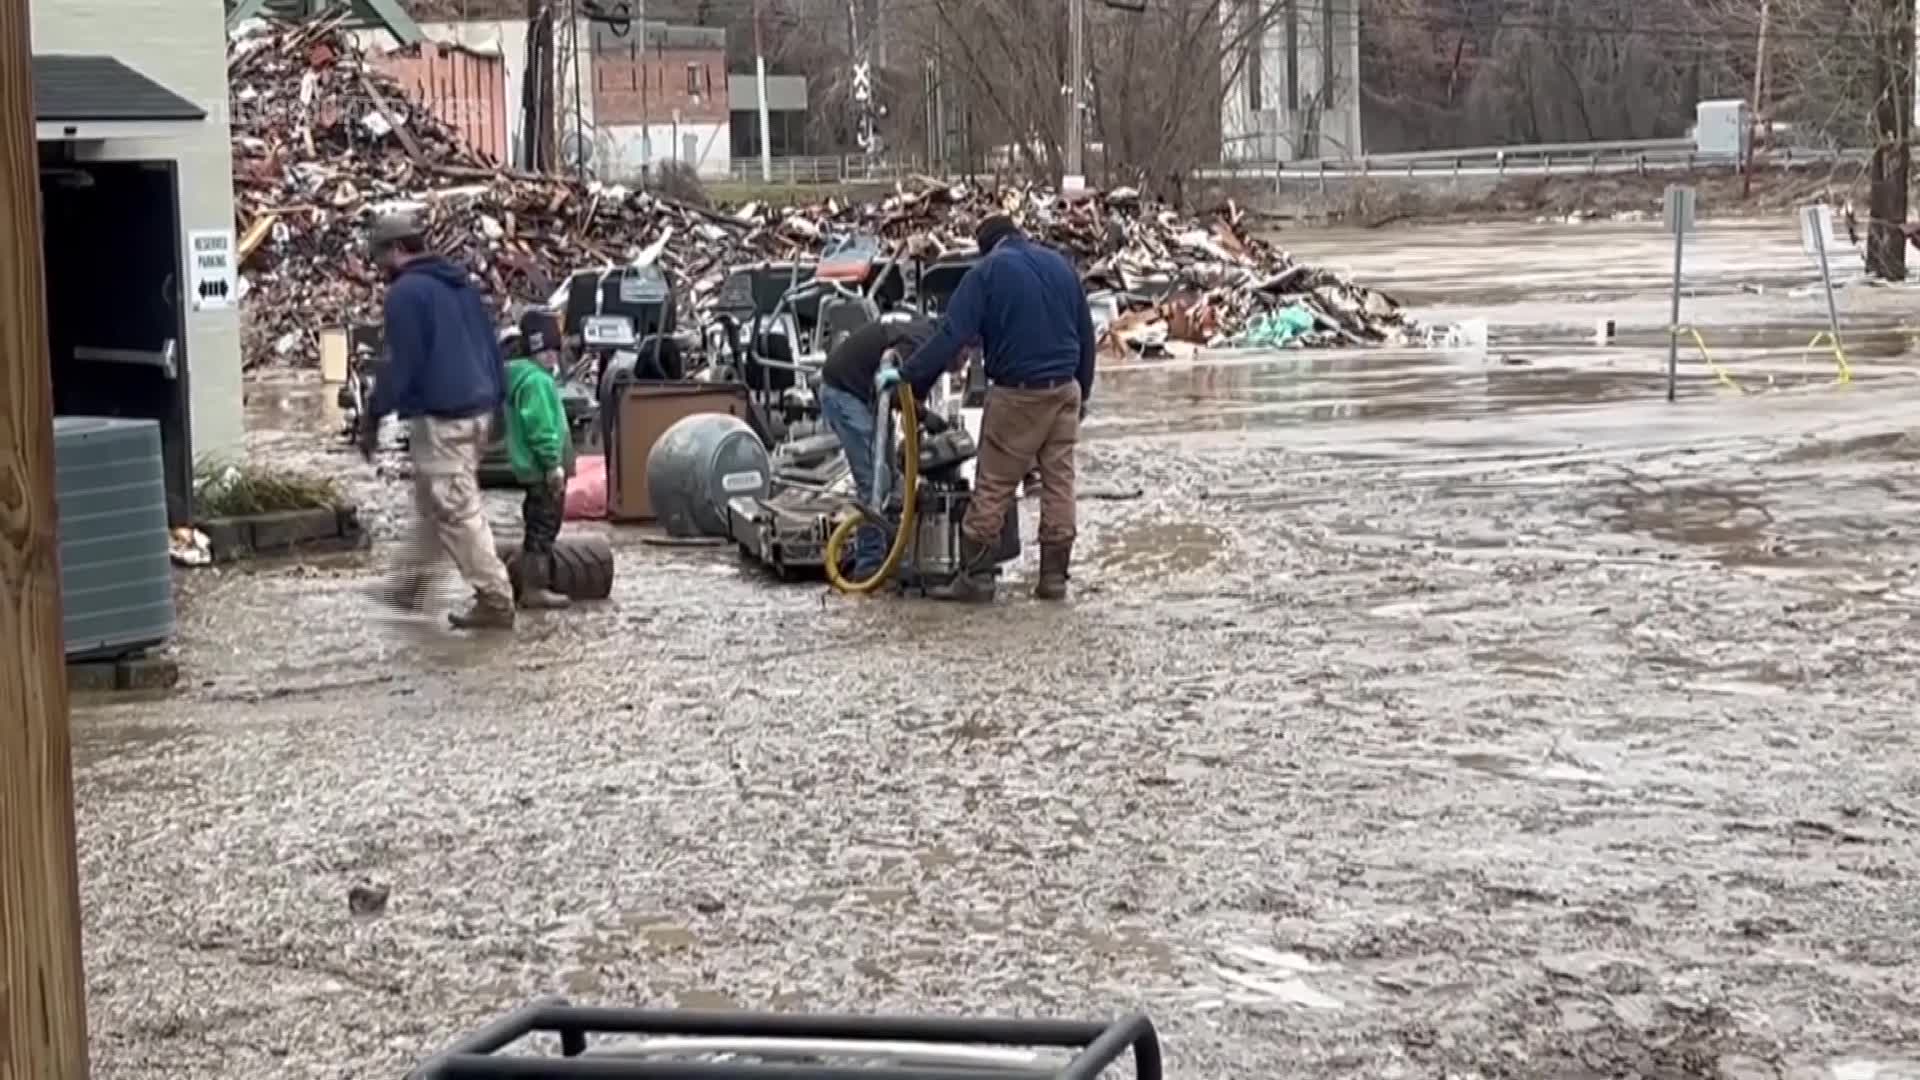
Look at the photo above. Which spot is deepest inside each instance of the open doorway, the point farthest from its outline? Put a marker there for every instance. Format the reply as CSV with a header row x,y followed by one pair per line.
x,y
115,325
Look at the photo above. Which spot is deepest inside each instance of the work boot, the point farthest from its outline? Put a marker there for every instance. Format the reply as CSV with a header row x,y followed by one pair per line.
x,y
536,573
973,584
1054,560
485,614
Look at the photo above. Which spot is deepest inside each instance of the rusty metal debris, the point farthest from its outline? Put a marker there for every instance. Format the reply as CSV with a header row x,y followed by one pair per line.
x,y
322,141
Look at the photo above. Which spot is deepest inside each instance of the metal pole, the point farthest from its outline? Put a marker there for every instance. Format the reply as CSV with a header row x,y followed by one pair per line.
x,y
1826,281
1673,324
43,1015
1077,77
760,88
1759,100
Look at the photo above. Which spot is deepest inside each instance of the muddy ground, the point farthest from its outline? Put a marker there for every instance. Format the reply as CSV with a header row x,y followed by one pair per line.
x,y
1431,714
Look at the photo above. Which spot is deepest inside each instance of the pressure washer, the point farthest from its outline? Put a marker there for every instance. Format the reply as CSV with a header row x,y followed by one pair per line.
x,y
921,490
922,514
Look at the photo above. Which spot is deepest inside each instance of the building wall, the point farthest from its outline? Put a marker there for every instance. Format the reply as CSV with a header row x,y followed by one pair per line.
x,y
633,88
466,90
666,101
626,150
1294,92
184,48
507,39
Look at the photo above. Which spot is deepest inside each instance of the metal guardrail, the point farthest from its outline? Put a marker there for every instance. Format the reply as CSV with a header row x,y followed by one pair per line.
x,y
1556,159
1537,159
850,169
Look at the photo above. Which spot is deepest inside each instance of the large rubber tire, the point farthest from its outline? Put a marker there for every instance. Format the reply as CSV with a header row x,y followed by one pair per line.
x,y
582,567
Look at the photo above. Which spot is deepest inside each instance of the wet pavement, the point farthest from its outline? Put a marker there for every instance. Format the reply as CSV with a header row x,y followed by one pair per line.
x,y
1430,714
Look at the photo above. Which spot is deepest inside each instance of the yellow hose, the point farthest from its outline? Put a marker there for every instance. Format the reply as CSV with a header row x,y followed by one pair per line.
x,y
843,534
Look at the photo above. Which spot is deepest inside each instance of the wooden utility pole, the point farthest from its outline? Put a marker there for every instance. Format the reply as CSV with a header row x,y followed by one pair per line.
x,y
1760,122
1893,46
43,1016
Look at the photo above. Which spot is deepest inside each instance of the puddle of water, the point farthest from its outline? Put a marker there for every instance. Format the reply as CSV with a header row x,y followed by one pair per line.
x,y
1161,548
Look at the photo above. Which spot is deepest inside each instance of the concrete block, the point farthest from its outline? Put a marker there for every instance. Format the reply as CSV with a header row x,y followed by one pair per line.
x,y
147,673
93,677
278,533
229,538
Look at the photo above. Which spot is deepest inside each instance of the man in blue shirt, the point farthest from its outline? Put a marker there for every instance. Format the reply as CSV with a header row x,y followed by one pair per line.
x,y
444,377
1025,305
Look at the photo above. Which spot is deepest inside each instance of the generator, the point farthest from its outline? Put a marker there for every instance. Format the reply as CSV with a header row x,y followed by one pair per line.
x,y
701,1044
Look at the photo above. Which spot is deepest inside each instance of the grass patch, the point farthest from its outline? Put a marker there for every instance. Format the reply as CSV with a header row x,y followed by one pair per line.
x,y
224,488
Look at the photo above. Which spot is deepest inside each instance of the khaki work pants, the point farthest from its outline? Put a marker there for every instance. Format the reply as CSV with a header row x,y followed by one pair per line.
x,y
1019,429
449,519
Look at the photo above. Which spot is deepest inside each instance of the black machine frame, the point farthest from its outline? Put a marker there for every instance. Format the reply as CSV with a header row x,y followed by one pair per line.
x,y
477,1057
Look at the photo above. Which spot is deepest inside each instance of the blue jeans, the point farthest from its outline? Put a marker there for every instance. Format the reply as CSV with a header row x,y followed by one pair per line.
x,y
852,421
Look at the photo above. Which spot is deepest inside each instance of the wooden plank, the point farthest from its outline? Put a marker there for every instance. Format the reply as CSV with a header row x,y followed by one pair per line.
x,y
43,1016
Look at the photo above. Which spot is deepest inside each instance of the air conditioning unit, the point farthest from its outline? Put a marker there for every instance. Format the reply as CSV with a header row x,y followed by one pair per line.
x,y
116,579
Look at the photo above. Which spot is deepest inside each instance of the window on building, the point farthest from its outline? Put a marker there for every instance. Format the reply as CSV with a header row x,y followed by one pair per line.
x,y
693,79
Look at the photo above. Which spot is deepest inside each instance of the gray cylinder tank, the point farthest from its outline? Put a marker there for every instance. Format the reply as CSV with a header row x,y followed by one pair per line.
x,y
700,463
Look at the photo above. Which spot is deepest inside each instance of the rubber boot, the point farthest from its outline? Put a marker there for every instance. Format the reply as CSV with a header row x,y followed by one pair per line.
x,y
1054,560
536,573
485,614
972,585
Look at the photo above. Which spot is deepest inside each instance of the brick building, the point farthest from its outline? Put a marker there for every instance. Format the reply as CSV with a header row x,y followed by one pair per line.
x,y
659,96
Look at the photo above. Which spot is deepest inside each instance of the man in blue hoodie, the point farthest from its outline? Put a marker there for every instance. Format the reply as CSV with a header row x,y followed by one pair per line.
x,y
445,378
1026,306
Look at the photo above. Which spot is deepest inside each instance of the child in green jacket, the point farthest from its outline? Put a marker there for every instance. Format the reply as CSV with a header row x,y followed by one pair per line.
x,y
540,450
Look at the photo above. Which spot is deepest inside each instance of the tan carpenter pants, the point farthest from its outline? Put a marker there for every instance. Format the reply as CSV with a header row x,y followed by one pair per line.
x,y
449,520
1019,429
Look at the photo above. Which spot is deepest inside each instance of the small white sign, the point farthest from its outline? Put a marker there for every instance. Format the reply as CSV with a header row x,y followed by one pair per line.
x,y
1816,229
211,274
1677,209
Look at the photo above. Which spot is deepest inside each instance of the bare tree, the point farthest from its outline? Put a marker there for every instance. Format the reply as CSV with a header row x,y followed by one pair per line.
x,y
1158,70
1840,72
1443,73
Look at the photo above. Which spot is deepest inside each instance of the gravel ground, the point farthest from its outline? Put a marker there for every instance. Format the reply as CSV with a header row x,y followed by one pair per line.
x,y
1426,717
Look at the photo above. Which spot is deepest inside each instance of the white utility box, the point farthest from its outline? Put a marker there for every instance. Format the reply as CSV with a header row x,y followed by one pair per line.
x,y
1722,128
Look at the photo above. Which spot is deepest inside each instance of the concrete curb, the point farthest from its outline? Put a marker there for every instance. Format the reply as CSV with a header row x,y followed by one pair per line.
x,y
128,673
291,532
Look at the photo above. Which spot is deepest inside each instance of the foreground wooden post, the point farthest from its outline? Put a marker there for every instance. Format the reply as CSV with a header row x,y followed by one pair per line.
x,y
43,1019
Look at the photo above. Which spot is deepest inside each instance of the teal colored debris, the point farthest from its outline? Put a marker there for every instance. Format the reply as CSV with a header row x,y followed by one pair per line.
x,y
1277,328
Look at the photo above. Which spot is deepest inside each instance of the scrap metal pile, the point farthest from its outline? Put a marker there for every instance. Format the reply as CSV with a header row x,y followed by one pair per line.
x,y
322,142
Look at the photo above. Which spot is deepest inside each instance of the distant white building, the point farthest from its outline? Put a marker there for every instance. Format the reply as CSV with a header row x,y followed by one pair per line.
x,y
1293,84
